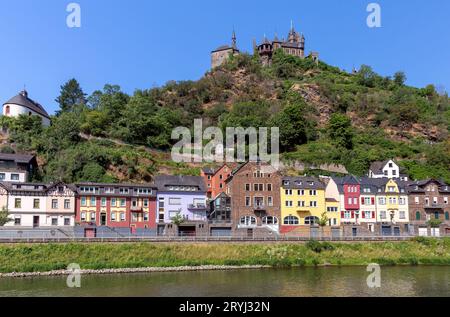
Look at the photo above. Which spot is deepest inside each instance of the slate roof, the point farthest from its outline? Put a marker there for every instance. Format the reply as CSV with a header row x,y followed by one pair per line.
x,y
208,171
302,183
163,182
377,167
22,100
17,158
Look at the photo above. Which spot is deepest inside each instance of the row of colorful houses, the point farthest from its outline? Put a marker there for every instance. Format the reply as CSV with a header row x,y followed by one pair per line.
x,y
246,200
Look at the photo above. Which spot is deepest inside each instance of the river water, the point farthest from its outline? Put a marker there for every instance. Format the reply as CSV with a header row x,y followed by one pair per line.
x,y
304,282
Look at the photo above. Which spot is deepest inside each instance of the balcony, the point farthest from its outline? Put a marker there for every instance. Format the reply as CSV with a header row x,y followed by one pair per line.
x,y
197,207
137,209
434,206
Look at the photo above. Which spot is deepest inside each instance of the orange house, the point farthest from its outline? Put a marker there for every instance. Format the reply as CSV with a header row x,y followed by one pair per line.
x,y
215,180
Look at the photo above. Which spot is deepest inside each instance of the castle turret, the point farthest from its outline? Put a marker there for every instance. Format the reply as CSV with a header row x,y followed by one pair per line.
x,y
265,51
222,53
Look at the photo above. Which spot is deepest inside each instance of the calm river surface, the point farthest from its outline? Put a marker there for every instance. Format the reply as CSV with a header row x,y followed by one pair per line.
x,y
346,281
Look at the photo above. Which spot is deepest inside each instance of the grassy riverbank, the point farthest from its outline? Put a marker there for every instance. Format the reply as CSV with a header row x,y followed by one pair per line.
x,y
47,257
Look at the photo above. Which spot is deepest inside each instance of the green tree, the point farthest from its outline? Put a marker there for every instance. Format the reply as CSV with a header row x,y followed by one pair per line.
x,y
4,217
293,126
177,219
366,76
71,96
340,131
399,78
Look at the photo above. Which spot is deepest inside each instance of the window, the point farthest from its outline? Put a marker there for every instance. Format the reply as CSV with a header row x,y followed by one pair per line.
x,y
350,201
248,221
418,216
270,201
258,187
289,203
332,209
367,201
145,203
291,221
347,215
382,201
174,201
301,203
122,216
113,216
103,201
124,191
436,215
54,222
36,203
447,216
416,200
270,220
247,187
93,216
113,202
83,216
313,192
123,202
146,217
248,202
15,177
402,215
301,192
313,204
93,202
67,221
54,203
311,221
66,203
134,217
2,176
17,220
269,187
288,192
382,214
402,201
83,201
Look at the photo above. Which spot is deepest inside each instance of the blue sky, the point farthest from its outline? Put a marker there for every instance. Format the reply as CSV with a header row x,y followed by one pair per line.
x,y
139,44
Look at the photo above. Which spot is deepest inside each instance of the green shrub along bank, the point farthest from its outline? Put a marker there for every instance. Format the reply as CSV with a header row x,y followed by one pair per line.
x,y
48,257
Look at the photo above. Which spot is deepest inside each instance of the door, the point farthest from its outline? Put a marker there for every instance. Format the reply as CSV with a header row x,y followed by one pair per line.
x,y
103,220
355,232
35,221
250,233
397,231
386,231
423,232
89,233
435,232
314,233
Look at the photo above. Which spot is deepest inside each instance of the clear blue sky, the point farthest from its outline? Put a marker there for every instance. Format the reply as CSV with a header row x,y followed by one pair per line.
x,y
138,44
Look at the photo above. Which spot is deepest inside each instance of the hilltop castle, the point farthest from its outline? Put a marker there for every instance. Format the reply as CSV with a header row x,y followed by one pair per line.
x,y
294,45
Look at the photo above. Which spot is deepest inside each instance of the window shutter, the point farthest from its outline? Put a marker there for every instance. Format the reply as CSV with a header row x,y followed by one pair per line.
x,y
373,214
342,214
362,201
353,214
373,200
363,215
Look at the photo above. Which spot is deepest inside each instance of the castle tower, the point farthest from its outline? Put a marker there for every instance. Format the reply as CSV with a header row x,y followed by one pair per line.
x,y
223,53
265,51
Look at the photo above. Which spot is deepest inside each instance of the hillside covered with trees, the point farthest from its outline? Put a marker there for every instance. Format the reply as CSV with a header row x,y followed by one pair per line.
x,y
325,115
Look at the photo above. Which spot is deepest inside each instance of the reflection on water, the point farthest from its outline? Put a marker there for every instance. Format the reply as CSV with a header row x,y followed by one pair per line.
x,y
345,281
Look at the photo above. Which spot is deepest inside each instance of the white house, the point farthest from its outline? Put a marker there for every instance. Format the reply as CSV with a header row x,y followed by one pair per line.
x,y
387,169
23,105
32,205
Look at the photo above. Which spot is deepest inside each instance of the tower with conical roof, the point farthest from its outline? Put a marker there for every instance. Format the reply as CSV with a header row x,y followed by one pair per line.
x,y
223,53
23,105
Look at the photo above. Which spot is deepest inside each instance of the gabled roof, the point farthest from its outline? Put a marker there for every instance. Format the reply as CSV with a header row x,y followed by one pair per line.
x,y
17,158
164,181
302,183
22,100
377,167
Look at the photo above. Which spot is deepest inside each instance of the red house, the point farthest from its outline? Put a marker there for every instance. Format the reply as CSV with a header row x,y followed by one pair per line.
x,y
116,206
215,180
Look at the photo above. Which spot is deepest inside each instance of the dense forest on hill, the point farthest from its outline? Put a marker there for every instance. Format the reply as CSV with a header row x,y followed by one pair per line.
x,y
325,115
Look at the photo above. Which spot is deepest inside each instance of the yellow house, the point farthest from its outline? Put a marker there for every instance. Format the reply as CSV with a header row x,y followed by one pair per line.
x,y
392,204
302,201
